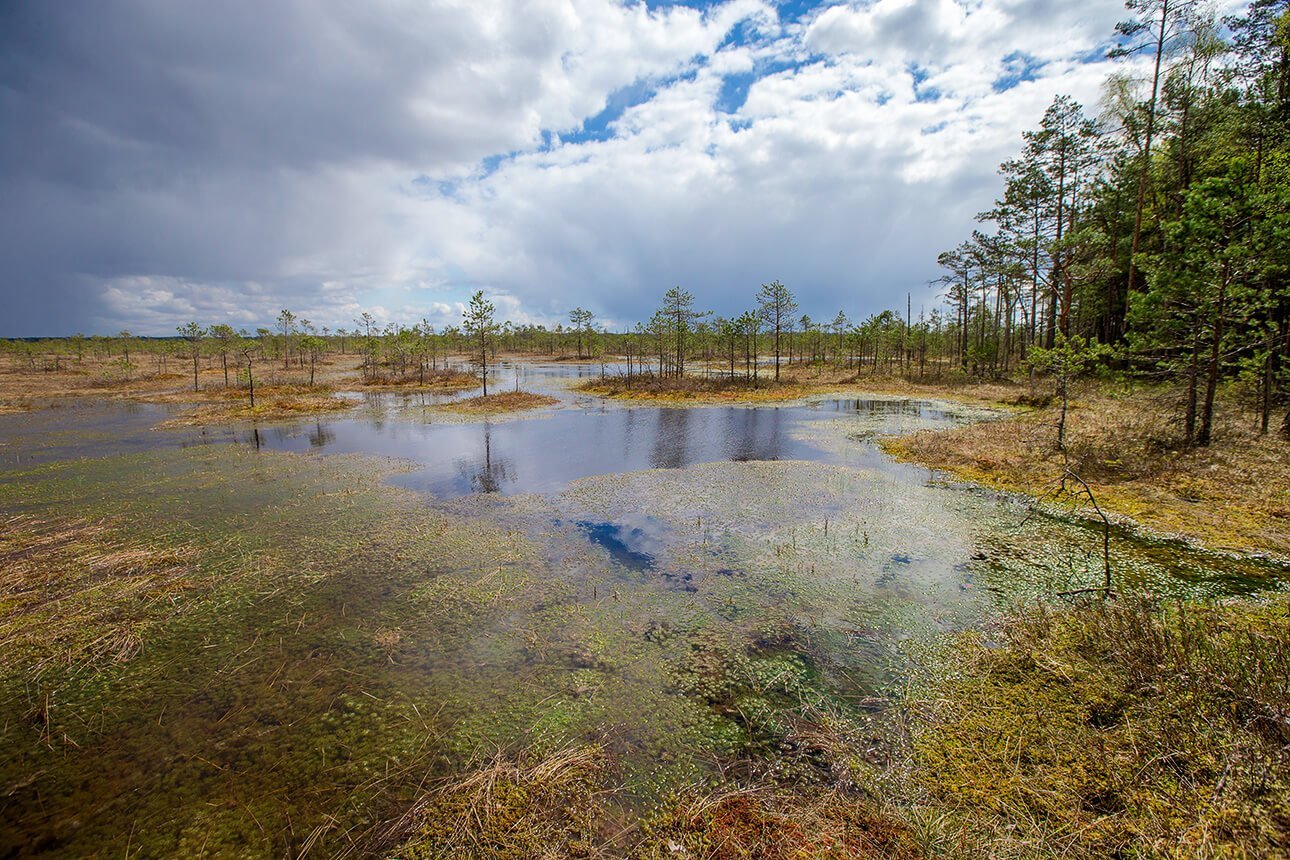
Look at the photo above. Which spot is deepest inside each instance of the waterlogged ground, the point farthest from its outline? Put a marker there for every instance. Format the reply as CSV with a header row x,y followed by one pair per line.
x,y
268,641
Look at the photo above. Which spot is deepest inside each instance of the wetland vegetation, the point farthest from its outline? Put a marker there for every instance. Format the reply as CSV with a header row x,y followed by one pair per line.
x,y
610,629
1005,578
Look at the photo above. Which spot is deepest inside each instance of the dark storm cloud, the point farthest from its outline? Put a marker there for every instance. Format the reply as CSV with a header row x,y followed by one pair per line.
x,y
201,139
164,161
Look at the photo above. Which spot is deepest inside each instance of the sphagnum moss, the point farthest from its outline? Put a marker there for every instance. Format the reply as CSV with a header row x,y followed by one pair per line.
x,y
1121,727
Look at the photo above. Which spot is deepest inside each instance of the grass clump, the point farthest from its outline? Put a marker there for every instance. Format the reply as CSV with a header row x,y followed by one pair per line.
x,y
271,402
1120,729
693,389
78,591
524,807
497,404
445,379
559,805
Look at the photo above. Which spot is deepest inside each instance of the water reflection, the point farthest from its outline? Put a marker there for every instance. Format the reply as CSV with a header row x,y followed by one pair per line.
x,y
487,475
670,439
754,434
542,455
885,407
321,436
634,542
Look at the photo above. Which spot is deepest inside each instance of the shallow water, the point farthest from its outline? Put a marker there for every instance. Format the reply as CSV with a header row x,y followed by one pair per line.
x,y
543,454
678,584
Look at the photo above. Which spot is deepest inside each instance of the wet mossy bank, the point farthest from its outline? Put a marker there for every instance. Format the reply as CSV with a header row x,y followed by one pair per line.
x,y
1232,495
1117,729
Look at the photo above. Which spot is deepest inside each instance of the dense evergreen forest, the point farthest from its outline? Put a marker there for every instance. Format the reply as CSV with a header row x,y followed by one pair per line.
x,y
1154,237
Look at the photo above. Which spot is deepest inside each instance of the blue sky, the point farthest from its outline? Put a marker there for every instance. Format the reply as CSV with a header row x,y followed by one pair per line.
x,y
218,162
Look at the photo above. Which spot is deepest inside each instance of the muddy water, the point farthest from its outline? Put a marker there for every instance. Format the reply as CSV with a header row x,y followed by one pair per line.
x,y
390,594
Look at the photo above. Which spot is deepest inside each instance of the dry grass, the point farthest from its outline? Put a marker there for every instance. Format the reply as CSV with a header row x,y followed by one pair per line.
x,y
497,404
693,389
512,809
556,806
279,392
271,402
435,380
1117,729
21,386
1232,495
74,591
797,381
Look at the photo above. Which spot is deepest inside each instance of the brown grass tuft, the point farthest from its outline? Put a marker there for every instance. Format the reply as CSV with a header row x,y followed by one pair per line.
x,y
271,402
513,809
75,591
432,380
496,404
693,389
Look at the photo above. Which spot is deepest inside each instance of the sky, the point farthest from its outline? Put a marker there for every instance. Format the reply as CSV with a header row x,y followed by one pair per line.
x,y
164,160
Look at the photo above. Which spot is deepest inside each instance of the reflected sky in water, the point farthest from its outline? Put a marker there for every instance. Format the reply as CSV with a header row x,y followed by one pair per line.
x,y
542,454
634,542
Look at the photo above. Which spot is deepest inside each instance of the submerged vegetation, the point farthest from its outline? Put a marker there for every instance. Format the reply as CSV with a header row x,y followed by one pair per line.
x,y
1114,728
217,650
74,592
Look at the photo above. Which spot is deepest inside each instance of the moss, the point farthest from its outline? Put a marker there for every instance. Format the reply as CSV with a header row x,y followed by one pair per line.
x,y
1120,727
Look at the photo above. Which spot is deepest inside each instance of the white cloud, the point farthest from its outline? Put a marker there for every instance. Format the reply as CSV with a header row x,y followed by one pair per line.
x,y
332,158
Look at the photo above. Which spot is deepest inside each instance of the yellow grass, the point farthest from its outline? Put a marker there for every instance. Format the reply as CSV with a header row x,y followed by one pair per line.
x,y
1233,495
496,404
75,590
796,381
437,380
271,402
693,389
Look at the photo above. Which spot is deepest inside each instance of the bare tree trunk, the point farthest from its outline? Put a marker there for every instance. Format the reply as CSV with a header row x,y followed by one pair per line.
x,y
1193,382
1211,380
1145,172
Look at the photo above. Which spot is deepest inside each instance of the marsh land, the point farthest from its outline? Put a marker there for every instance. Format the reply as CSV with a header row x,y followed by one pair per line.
x,y
831,618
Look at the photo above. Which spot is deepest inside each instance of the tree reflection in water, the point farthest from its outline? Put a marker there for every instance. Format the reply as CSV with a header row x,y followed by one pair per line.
x,y
489,474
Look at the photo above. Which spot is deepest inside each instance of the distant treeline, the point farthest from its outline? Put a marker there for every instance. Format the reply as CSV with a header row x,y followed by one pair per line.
x,y
676,335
